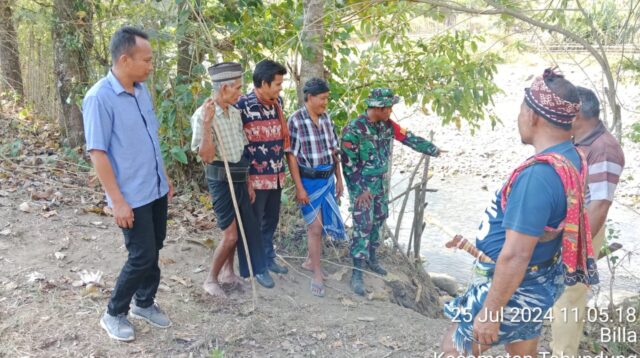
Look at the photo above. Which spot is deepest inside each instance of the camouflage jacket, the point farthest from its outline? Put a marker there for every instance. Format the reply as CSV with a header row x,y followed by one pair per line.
x,y
366,148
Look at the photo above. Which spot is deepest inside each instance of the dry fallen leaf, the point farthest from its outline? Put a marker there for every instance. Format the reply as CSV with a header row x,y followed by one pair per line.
x,y
93,209
35,276
49,214
389,343
208,243
24,207
99,224
91,277
181,281
366,319
338,275
204,224
42,195
347,302
319,336
358,344
90,290
377,296
167,261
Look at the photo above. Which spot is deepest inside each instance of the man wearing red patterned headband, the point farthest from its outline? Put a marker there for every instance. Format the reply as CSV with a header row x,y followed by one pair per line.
x,y
535,232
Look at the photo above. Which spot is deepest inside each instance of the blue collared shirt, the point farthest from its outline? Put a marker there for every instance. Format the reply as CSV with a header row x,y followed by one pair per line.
x,y
126,128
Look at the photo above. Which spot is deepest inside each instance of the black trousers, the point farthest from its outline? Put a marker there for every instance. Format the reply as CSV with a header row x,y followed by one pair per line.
x,y
223,207
266,208
140,275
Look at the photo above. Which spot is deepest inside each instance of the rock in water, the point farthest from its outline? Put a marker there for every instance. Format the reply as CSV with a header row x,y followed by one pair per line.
x,y
445,283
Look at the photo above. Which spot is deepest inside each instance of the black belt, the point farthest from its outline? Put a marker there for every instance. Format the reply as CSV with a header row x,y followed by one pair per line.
x,y
316,174
239,174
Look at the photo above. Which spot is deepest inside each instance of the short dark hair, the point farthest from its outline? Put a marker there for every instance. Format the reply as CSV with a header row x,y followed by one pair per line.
x,y
563,89
314,87
590,107
266,71
124,40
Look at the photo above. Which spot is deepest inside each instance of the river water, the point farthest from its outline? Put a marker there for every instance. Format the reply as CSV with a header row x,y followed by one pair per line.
x,y
458,205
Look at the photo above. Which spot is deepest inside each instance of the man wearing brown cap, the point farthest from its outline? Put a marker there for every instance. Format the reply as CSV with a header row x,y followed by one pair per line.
x,y
214,149
538,211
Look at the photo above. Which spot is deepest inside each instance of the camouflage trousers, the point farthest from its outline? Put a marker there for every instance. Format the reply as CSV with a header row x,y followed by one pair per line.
x,y
368,222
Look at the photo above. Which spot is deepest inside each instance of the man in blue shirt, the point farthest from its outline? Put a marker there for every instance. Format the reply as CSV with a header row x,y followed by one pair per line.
x,y
521,232
121,132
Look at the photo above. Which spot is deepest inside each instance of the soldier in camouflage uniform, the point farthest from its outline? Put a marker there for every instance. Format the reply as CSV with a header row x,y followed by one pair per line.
x,y
366,146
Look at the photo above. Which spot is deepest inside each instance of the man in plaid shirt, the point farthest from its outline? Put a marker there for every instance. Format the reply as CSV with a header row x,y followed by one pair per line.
x,y
312,160
226,80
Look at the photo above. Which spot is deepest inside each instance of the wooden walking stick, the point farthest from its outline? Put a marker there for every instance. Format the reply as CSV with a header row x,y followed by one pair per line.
x,y
457,241
461,243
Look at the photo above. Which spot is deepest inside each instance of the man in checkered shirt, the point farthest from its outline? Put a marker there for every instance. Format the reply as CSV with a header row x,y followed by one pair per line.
x,y
214,150
313,163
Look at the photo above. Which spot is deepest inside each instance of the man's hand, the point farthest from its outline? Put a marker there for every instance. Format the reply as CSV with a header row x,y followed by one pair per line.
x,y
440,152
486,327
364,200
339,189
301,196
171,189
207,150
209,110
252,192
123,214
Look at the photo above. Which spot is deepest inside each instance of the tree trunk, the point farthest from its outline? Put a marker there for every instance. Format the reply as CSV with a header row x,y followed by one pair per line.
x,y
312,38
72,40
11,75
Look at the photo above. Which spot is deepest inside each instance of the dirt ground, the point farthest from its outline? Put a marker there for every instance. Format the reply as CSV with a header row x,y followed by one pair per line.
x,y
45,312
55,238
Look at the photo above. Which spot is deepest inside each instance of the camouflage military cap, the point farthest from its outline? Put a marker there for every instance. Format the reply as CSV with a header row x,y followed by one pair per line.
x,y
381,97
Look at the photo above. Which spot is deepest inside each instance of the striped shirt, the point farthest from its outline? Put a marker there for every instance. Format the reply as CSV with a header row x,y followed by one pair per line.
x,y
606,161
312,144
231,131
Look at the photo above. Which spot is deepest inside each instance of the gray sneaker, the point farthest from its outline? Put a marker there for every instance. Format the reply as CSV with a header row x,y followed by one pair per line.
x,y
152,314
118,327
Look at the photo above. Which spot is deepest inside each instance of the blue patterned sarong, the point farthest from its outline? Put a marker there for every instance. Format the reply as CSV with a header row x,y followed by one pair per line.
x,y
322,197
524,314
